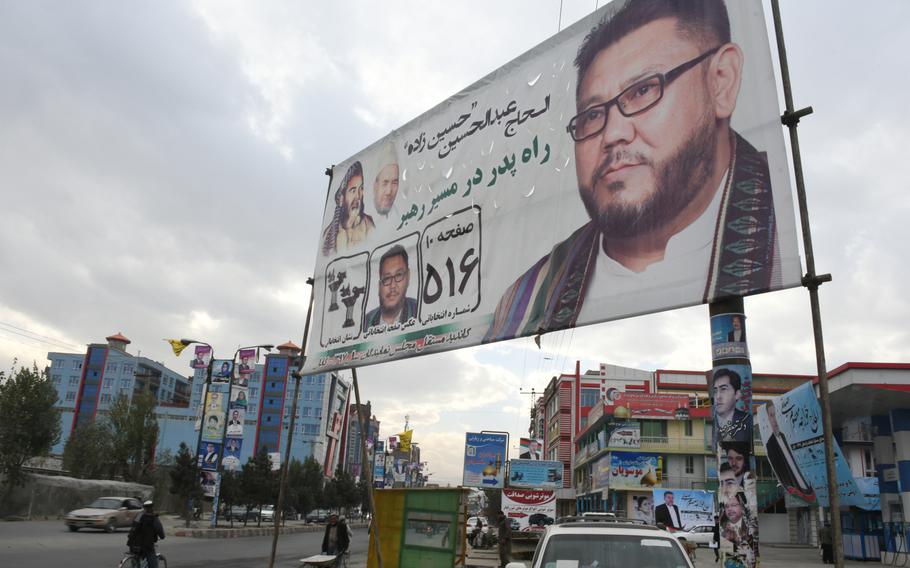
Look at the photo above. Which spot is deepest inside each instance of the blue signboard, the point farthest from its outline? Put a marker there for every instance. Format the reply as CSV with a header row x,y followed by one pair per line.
x,y
791,428
633,470
484,460
535,474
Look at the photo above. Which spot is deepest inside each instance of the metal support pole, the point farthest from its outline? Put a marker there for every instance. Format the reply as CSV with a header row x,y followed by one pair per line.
x,y
283,481
811,281
363,459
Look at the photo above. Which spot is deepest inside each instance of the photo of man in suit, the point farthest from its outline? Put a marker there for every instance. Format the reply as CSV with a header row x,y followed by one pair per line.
x,y
738,333
668,513
533,451
730,423
782,460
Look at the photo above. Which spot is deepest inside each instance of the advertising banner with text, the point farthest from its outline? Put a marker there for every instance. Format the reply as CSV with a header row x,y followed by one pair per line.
x,y
515,206
791,430
485,457
535,474
530,508
639,405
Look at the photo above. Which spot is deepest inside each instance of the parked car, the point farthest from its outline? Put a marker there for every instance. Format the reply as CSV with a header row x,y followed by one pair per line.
x,y
240,513
317,516
593,541
268,513
108,513
702,534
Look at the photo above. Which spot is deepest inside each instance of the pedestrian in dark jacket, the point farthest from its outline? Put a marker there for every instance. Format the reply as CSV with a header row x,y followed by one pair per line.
x,y
504,530
826,540
336,539
715,540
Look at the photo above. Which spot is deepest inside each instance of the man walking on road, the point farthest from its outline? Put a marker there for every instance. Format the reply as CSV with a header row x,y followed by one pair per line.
x,y
826,540
505,539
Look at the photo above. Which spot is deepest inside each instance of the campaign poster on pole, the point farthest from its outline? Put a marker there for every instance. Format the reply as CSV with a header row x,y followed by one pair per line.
x,y
689,507
533,509
535,474
202,358
485,456
222,370
792,432
247,363
232,449
504,212
633,470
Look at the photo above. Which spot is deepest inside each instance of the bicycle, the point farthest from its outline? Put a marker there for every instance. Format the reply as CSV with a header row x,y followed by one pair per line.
x,y
133,559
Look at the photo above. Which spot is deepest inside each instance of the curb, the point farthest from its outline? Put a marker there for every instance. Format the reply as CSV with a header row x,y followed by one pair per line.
x,y
252,531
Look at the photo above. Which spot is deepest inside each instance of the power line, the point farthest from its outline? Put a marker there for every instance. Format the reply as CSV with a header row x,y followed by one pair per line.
x,y
51,343
52,339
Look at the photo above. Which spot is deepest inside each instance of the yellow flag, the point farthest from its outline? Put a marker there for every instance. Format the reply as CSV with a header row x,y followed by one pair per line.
x,y
404,441
177,345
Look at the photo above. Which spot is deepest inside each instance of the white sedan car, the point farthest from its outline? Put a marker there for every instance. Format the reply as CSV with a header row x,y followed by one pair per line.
x,y
702,535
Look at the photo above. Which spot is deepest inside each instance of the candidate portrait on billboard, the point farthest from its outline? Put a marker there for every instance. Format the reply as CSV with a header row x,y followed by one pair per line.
x,y
657,165
631,164
395,301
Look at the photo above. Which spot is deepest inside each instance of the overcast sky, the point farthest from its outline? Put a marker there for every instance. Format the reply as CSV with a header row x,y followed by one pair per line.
x,y
162,174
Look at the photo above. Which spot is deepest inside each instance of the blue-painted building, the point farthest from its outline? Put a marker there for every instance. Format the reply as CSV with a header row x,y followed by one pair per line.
x,y
88,383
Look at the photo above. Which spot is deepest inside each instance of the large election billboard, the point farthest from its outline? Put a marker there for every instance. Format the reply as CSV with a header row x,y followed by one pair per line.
x,y
624,166
535,474
633,470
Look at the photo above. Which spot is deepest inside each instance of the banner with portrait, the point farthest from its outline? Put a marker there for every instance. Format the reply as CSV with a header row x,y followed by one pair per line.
x,y
535,474
691,507
533,510
633,470
794,439
222,370
213,419
513,207
485,456
247,363
530,448
232,449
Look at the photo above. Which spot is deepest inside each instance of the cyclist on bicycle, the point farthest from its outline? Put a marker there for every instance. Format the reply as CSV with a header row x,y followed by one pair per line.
x,y
144,533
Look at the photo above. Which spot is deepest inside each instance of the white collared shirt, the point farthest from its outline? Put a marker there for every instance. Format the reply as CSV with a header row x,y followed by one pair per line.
x,y
676,281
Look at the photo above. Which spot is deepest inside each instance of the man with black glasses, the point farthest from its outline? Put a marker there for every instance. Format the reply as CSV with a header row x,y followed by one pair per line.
x,y
392,285
680,204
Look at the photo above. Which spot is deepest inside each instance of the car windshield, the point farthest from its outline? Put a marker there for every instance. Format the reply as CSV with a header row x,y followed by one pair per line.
x,y
593,551
105,503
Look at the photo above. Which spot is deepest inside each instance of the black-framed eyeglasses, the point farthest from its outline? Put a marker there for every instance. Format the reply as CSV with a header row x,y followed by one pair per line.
x,y
397,277
636,99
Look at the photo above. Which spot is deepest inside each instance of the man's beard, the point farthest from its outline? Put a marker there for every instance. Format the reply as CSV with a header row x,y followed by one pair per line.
x,y
677,181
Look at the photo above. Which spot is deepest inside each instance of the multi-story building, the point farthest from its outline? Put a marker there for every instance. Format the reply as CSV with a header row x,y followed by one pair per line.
x,y
87,383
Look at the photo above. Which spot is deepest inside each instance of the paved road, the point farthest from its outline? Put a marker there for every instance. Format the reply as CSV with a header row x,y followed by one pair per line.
x,y
48,544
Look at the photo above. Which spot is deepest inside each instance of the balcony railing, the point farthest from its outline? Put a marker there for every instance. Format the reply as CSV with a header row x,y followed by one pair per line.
x,y
663,443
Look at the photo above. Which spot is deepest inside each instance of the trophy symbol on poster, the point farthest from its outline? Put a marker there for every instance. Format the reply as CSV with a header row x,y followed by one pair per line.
x,y
349,297
334,284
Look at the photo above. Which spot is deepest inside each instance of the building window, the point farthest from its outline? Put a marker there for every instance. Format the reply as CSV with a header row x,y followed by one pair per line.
x,y
124,383
254,392
105,398
690,464
688,429
56,379
319,395
309,380
108,383
71,395
58,363
127,369
77,365
589,397
308,395
318,412
306,411
112,367
74,381
654,430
